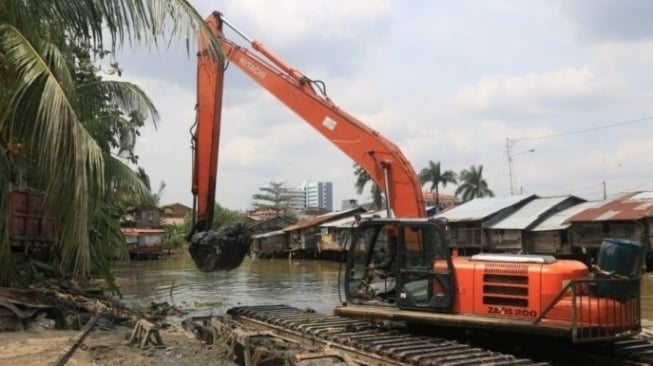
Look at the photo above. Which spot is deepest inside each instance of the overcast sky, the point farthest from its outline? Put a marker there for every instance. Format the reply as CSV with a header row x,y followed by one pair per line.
x,y
446,81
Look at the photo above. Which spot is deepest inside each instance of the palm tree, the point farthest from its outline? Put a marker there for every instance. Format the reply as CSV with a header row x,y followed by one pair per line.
x,y
151,199
472,185
362,178
434,175
40,107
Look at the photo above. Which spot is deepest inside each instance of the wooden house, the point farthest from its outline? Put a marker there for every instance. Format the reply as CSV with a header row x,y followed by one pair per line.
x,y
333,237
143,232
272,244
174,214
305,235
269,224
143,243
467,222
553,235
142,217
629,216
511,233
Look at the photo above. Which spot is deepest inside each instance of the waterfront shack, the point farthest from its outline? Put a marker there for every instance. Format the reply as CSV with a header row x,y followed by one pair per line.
x,y
304,236
628,216
511,233
467,222
553,235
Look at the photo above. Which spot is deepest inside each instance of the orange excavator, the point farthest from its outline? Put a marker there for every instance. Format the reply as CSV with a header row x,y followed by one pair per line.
x,y
400,267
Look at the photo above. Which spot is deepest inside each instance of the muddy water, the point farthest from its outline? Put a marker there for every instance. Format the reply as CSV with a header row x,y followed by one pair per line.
x,y
299,283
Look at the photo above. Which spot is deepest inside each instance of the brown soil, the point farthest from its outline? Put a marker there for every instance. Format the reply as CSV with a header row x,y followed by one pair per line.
x,y
108,347
43,309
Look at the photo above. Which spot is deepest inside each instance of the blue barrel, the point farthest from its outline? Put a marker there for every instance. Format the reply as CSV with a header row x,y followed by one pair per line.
x,y
623,257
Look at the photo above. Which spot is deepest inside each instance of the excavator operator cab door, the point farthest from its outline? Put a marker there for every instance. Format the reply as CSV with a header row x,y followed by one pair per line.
x,y
404,264
426,273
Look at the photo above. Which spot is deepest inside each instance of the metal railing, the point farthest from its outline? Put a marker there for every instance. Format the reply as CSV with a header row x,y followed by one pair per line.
x,y
597,309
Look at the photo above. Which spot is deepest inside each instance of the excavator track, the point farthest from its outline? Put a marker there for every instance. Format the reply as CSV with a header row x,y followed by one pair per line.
x,y
364,342
316,336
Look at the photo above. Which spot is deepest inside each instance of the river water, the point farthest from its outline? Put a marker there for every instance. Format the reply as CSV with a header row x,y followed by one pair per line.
x,y
298,283
176,280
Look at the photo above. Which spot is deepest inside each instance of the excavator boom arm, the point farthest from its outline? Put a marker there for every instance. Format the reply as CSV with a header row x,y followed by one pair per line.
x,y
378,156
206,135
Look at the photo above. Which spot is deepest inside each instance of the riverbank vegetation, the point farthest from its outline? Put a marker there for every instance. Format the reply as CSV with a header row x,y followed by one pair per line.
x,y
69,126
68,131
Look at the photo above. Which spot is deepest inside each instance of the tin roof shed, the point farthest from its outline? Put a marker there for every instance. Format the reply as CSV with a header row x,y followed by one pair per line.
x,y
350,220
629,206
531,212
268,234
317,220
560,220
480,208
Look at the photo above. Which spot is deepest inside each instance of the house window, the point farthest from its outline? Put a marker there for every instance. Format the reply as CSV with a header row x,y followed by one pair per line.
x,y
606,228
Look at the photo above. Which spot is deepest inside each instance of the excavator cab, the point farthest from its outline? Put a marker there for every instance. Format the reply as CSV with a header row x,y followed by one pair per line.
x,y
400,262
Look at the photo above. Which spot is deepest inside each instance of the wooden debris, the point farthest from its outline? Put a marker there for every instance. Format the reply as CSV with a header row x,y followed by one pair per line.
x,y
70,349
144,334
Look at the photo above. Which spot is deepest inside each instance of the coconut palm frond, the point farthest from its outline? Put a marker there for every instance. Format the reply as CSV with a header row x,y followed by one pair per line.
x,y
125,95
45,77
107,241
124,179
181,20
113,23
43,106
66,154
117,20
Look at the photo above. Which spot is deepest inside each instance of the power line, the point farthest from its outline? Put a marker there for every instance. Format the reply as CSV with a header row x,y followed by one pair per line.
x,y
586,130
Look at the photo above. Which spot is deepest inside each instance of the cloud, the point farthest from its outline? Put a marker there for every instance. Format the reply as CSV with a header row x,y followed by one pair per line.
x,y
537,96
608,20
317,20
444,81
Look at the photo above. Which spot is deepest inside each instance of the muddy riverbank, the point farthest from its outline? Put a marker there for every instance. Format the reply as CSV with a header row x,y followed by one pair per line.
x,y
107,347
174,283
166,291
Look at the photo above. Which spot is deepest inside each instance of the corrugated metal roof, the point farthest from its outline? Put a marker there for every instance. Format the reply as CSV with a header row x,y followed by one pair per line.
x,y
313,221
529,213
629,206
480,208
349,221
560,220
269,234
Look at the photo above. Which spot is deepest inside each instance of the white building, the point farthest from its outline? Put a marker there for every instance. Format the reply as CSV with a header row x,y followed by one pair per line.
x,y
318,195
297,199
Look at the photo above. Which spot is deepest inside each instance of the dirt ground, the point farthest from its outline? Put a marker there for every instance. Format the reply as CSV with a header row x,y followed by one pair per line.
x,y
108,347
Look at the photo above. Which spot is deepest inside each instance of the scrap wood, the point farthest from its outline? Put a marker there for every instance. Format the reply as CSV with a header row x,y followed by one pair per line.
x,y
68,351
145,333
21,314
326,354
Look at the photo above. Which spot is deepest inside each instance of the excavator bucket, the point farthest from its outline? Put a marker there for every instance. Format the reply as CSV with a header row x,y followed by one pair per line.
x,y
221,249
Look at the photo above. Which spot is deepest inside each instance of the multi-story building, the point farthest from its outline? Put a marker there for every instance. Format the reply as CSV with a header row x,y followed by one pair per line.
x,y
297,198
319,195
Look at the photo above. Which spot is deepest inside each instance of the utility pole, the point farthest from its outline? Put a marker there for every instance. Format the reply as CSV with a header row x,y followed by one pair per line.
x,y
509,153
605,191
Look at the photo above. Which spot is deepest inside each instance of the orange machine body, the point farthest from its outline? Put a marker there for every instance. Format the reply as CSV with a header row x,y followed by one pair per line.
x,y
529,291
